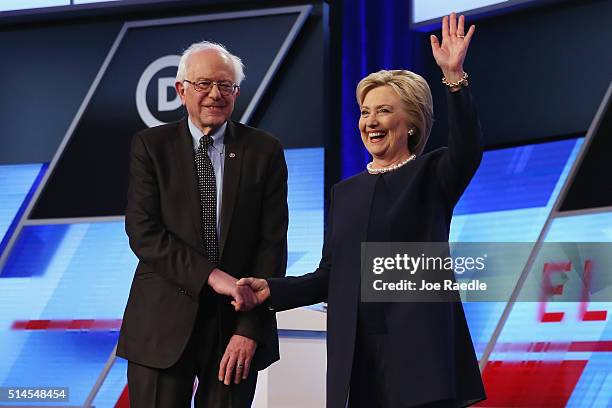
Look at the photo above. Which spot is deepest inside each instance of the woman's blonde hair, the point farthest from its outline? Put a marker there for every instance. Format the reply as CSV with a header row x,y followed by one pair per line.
x,y
416,100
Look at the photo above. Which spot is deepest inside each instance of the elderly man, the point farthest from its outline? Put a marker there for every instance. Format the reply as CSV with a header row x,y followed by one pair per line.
x,y
207,203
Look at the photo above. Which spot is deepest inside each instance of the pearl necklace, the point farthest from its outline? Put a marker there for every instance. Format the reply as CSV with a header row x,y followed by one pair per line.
x,y
372,170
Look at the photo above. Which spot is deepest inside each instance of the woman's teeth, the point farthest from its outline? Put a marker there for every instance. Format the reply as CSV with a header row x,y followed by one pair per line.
x,y
377,135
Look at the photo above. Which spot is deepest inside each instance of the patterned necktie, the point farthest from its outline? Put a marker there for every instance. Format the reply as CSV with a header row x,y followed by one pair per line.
x,y
208,199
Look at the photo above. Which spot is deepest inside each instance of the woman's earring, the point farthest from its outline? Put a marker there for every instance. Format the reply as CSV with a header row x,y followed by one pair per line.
x,y
411,132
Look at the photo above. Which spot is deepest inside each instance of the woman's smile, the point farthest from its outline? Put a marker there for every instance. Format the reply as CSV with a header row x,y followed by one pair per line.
x,y
377,136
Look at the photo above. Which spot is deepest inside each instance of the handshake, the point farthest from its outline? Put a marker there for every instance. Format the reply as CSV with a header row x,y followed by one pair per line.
x,y
246,292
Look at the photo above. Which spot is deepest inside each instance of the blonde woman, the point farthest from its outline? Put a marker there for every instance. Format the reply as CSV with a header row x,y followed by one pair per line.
x,y
396,354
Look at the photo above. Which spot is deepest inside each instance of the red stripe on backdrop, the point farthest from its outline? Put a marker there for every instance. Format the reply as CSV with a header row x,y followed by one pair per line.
x,y
78,324
591,346
542,384
124,399
547,347
115,324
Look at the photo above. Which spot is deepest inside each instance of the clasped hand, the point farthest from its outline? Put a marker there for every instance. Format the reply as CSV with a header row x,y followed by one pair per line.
x,y
246,292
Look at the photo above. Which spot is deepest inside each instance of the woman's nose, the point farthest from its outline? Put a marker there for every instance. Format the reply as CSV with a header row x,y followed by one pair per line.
x,y
372,122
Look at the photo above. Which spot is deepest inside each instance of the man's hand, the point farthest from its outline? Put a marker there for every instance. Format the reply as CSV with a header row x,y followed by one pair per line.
x,y
225,284
258,286
238,355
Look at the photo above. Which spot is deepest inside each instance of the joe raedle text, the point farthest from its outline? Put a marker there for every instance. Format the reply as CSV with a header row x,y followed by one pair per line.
x,y
426,286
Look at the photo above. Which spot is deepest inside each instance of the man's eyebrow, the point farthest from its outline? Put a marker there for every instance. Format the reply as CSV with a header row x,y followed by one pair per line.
x,y
211,80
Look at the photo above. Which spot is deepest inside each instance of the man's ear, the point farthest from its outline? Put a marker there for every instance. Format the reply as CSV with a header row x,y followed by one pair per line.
x,y
180,90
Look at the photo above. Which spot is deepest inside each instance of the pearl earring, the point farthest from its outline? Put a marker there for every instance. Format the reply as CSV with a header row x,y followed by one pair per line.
x,y
411,132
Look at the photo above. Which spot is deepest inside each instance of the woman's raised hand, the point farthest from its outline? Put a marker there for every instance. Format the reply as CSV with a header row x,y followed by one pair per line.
x,y
451,53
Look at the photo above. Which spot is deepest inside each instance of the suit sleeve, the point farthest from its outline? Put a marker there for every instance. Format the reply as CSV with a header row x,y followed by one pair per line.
x,y
271,255
152,243
291,292
460,161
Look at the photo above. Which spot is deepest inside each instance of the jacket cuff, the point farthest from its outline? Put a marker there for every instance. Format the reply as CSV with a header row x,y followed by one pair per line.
x,y
251,324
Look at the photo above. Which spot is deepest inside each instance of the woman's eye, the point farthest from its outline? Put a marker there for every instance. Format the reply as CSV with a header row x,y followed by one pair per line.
x,y
364,113
384,110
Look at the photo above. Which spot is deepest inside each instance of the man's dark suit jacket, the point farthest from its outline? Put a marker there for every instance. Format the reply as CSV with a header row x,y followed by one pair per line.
x,y
432,353
163,222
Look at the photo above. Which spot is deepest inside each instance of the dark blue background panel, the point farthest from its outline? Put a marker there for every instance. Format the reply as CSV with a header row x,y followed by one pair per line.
x,y
90,179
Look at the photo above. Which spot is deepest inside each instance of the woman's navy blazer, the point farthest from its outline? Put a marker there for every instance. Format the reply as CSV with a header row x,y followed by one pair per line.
x,y
432,353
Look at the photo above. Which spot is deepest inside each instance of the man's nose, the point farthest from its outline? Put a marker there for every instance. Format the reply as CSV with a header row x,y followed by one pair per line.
x,y
214,92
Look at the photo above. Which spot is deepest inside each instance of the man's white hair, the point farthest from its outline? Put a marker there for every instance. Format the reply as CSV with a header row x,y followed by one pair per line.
x,y
208,45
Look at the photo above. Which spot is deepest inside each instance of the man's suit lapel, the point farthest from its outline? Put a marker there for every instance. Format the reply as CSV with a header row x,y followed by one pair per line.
x,y
183,146
234,149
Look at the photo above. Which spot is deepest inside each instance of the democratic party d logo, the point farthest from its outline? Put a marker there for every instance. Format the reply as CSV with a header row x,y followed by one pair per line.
x,y
167,98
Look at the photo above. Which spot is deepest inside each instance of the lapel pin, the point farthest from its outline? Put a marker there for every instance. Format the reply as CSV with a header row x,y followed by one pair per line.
x,y
232,155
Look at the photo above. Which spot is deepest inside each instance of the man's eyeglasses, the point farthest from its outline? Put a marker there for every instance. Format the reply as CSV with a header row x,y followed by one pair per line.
x,y
226,88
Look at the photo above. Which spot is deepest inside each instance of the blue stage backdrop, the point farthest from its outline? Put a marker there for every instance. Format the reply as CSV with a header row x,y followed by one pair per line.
x,y
375,35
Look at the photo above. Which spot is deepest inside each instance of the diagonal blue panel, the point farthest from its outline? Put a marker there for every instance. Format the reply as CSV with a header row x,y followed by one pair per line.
x,y
33,250
113,385
18,185
293,257
70,359
305,200
517,177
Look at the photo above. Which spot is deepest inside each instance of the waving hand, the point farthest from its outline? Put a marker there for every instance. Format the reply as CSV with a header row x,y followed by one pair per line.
x,y
451,53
